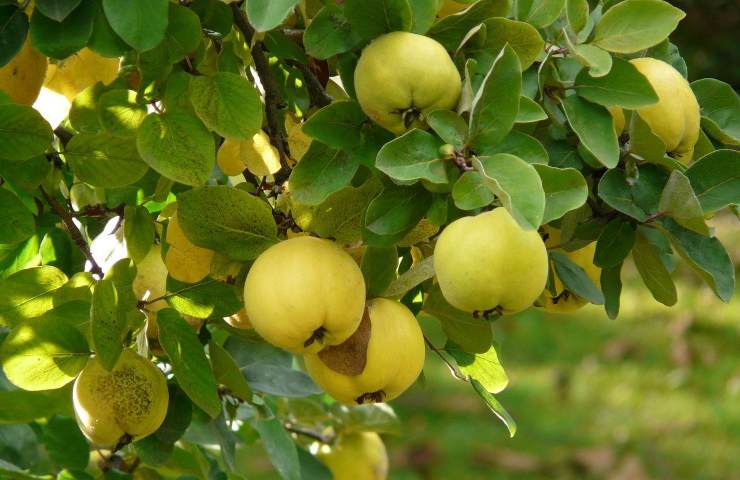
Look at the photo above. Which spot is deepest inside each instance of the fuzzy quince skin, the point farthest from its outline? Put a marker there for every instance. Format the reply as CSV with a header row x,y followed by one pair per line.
x,y
565,301
304,293
378,362
356,456
129,400
488,262
676,117
151,278
401,77
23,76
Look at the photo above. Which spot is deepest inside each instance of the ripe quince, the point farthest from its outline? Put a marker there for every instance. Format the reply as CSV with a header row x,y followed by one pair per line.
x,y
356,456
23,76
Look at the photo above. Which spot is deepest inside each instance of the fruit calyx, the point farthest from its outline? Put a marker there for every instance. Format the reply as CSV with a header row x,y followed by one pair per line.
x,y
371,397
317,336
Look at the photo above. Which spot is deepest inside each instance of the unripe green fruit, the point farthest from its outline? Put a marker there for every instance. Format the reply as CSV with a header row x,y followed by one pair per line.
x,y
356,456
131,399
304,293
488,262
401,77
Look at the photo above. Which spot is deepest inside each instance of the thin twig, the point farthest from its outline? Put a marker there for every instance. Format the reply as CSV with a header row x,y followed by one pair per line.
x,y
64,135
439,353
143,303
73,231
308,433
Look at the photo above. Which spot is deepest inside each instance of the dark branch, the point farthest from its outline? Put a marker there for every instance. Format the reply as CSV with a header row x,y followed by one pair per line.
x,y
64,135
308,433
73,231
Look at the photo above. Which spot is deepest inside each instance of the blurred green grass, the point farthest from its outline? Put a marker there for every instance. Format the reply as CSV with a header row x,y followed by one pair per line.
x,y
653,394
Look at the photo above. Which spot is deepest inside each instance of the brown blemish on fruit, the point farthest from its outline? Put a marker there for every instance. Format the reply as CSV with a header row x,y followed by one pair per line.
x,y
128,393
350,357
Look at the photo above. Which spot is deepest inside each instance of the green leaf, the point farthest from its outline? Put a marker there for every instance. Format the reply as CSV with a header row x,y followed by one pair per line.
x,y
280,447
228,104
20,406
227,372
615,243
227,220
419,273
394,213
108,327
423,13
611,285
565,190
104,40
321,172
29,293
522,37
59,40
13,30
450,31
178,146
413,156
484,367
518,186
624,86
720,109
653,271
379,266
183,32
496,102
189,363
140,23
577,14
158,447
103,160
598,61
265,15
575,278
495,407
518,144
23,132
372,18
470,192
16,222
28,174
119,113
705,255
634,25
679,202
330,33
644,144
83,114
715,179
210,299
594,127
450,127
43,354
57,10
540,13
529,111
216,16
138,230
338,125
639,199
468,334
65,443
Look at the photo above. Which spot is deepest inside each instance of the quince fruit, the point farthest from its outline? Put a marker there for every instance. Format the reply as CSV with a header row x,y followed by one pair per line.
x,y
151,279
356,456
185,261
23,76
256,154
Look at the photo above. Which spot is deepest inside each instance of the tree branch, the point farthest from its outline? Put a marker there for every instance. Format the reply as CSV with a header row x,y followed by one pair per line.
x,y
308,433
272,95
73,231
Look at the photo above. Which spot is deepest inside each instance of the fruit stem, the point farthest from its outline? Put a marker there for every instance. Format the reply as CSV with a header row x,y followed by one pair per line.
x,y
316,336
371,397
455,372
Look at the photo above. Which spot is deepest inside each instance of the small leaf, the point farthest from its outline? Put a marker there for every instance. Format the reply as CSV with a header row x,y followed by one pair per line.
x,y
520,145
451,30
16,222
178,146
529,111
417,274
372,18
470,335
624,86
43,354
518,186
189,362
496,103
470,192
23,132
228,220
614,244
413,156
265,15
495,407
565,190
280,447
715,179
522,37
138,230
209,299
653,271
29,293
639,199
484,368
119,113
338,125
634,25
705,255
720,109
59,40
450,127
103,160
140,23
379,266
598,61
227,372
540,13
679,201
595,129
611,285
577,13
321,172
330,33
228,104
394,213
57,10
644,144
575,278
